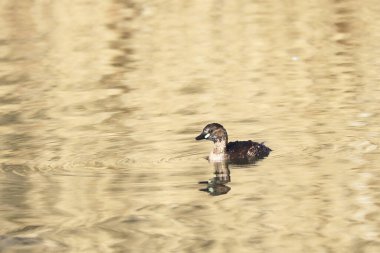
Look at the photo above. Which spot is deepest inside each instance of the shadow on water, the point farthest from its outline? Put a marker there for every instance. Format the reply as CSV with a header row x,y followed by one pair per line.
x,y
217,185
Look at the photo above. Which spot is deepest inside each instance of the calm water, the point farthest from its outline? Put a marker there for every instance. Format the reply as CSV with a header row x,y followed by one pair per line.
x,y
100,102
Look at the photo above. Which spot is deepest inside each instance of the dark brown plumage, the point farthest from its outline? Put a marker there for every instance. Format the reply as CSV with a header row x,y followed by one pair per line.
x,y
247,150
237,151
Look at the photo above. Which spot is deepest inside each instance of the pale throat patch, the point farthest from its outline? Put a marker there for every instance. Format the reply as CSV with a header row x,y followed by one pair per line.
x,y
217,157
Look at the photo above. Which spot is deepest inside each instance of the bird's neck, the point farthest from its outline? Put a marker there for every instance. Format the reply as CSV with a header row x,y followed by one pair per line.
x,y
220,147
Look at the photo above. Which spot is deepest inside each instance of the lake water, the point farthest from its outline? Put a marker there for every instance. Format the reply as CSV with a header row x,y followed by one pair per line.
x,y
100,102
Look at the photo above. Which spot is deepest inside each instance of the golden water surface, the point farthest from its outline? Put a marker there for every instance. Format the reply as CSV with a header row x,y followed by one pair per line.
x,y
100,102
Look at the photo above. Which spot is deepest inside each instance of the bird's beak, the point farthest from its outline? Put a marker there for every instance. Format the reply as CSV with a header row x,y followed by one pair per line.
x,y
202,136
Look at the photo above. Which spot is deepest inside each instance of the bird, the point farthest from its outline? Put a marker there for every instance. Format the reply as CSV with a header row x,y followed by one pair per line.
x,y
237,151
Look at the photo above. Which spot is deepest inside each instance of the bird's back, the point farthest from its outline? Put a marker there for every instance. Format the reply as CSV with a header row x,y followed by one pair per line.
x,y
246,150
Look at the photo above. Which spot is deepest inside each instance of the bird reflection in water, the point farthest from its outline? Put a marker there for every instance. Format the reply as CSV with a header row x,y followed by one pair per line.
x,y
217,185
